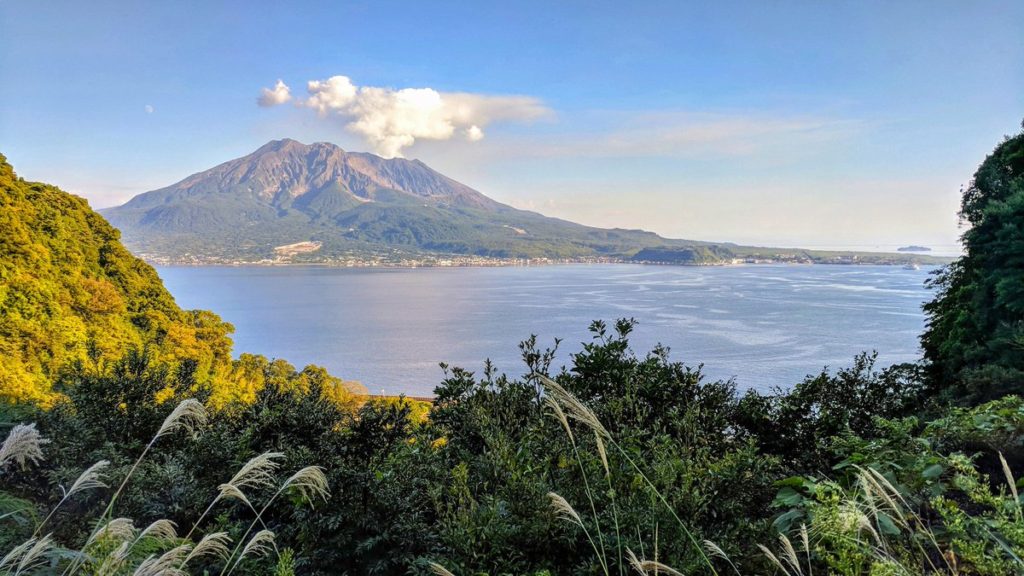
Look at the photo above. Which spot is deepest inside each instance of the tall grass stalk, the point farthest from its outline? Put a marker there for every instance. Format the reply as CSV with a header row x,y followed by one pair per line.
x,y
259,545
602,556
24,444
868,478
871,498
90,479
27,556
565,511
650,566
258,472
188,415
1013,485
578,411
717,552
309,481
611,494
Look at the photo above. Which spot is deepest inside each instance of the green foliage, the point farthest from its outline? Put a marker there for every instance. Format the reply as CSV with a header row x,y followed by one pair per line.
x,y
507,454
799,424
975,334
73,299
687,255
112,544
911,501
71,293
469,487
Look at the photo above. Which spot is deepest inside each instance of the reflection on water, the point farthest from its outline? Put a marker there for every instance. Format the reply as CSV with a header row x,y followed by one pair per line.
x,y
764,325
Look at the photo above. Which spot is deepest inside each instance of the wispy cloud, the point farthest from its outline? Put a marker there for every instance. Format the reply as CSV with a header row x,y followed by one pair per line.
x,y
391,120
691,135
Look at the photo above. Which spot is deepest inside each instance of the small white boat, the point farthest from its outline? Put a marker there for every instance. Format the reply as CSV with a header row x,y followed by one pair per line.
x,y
911,266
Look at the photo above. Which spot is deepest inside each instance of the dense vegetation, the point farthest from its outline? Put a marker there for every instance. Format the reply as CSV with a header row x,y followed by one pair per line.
x,y
70,292
619,463
975,340
71,296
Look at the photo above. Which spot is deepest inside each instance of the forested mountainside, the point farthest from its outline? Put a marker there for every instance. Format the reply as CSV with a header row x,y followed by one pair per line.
x,y
71,294
975,338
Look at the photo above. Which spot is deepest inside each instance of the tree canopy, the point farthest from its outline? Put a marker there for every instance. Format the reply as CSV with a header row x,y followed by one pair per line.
x,y
975,335
70,292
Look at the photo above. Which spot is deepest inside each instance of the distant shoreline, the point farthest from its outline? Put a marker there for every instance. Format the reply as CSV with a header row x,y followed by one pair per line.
x,y
528,263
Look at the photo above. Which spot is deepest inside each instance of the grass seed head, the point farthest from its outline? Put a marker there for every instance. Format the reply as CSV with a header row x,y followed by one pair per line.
x,y
214,544
573,407
311,482
259,545
258,472
650,566
439,570
90,479
226,491
27,556
23,444
564,510
117,528
163,530
188,415
167,564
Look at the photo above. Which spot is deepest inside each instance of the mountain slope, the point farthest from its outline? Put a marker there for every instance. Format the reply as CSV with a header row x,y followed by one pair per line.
x,y
70,292
287,192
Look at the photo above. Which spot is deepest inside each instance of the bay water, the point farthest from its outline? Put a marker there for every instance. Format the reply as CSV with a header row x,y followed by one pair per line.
x,y
764,325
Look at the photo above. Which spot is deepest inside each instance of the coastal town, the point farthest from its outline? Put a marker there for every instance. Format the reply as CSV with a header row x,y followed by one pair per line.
x,y
293,255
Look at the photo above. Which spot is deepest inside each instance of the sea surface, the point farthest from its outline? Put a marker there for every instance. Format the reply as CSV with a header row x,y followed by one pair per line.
x,y
764,325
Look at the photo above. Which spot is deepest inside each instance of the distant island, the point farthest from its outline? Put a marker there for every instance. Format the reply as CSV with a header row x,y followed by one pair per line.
x,y
293,203
913,248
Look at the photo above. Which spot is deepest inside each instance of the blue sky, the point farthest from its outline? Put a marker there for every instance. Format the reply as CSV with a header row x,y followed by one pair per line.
x,y
788,123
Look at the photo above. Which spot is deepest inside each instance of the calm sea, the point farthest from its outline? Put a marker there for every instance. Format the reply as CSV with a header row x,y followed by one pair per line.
x,y
389,328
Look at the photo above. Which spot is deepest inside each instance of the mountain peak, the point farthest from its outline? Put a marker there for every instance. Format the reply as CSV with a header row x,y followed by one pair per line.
x,y
289,145
286,178
278,145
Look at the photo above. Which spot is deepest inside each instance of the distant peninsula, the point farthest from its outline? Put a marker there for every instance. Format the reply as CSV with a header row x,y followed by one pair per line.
x,y
295,203
913,248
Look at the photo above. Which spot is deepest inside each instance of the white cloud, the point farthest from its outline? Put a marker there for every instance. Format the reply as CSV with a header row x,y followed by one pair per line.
x,y
335,93
279,94
148,109
391,120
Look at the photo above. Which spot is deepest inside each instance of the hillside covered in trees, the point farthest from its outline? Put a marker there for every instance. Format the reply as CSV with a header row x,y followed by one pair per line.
x,y
624,462
72,296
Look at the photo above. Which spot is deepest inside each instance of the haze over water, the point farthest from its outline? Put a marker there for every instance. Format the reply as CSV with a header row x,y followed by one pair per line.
x,y
765,325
